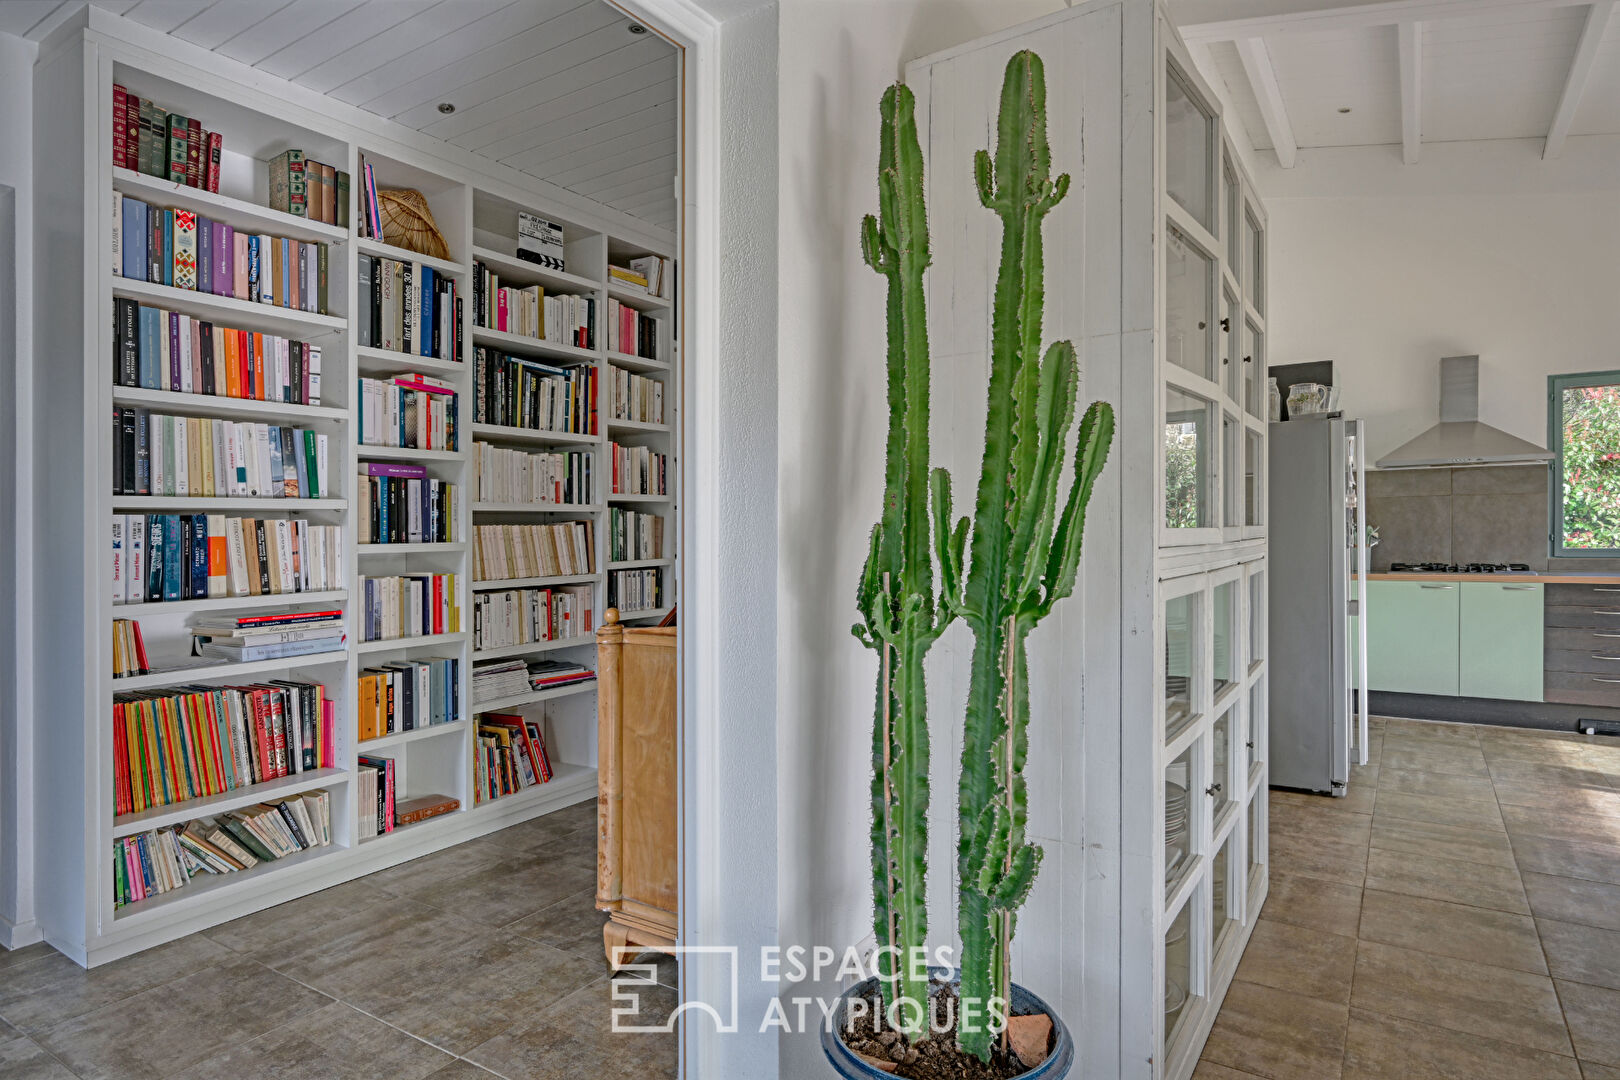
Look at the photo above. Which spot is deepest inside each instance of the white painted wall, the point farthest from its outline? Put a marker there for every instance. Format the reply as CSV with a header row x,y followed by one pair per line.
x,y
16,581
1478,248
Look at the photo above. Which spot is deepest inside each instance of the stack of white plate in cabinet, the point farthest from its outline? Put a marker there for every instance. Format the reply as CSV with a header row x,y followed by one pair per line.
x,y
1175,827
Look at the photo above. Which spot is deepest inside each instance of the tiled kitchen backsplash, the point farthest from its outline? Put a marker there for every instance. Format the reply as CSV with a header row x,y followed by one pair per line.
x,y
1485,515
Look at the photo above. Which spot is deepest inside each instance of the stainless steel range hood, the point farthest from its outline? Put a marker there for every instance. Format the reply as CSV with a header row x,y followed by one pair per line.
x,y
1459,438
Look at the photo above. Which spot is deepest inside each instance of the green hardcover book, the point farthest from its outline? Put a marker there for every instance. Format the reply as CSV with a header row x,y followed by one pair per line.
x,y
178,147
320,278
310,465
238,829
287,182
146,156
342,200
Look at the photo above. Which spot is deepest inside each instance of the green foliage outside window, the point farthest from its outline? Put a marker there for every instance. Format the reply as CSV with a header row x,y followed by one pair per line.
x,y
1588,440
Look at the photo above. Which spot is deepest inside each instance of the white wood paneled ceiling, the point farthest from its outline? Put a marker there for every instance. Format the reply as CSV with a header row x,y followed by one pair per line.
x,y
563,90
1303,74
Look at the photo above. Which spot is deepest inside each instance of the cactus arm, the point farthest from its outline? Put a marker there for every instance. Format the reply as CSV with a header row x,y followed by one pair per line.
x,y
1091,454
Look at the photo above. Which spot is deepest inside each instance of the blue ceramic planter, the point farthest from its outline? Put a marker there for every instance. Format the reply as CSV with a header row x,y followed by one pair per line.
x,y
848,1064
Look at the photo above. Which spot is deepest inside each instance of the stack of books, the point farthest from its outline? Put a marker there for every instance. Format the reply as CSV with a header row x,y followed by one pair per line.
x,y
412,605
157,454
521,616
402,504
309,189
650,272
129,651
376,796
168,557
635,590
501,475
633,535
498,679
505,552
636,397
159,861
511,756
185,250
150,139
408,307
408,696
409,410
158,349
639,471
629,331
193,742
269,637
514,391
547,674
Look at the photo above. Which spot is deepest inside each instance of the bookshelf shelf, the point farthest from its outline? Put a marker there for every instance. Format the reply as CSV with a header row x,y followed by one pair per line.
x,y
535,697
227,408
152,504
229,311
533,582
530,647
405,453
515,271
517,343
214,670
639,498
635,363
224,603
639,299
175,813
237,213
637,426
368,246
535,508
651,613
205,889
400,738
501,433
374,361
639,564
364,550
391,644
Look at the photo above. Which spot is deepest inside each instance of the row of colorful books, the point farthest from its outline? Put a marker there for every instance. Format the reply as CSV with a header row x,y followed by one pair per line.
x,y
408,307
397,503
160,454
639,470
168,557
505,552
636,590
192,742
150,139
511,755
635,397
515,391
504,475
527,311
129,650
407,696
631,331
411,605
634,535
158,349
409,410
162,860
522,616
183,249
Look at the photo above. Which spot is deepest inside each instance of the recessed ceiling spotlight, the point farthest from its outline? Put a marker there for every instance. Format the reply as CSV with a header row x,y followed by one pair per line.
x,y
1345,109
637,28
446,108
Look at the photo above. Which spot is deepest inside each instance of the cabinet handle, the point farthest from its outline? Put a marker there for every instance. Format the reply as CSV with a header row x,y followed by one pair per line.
x,y
1248,359
1226,325
1519,588
1453,587
1213,788
1597,678
1596,656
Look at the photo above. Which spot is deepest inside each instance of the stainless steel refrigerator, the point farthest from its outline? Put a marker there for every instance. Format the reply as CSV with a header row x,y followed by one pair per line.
x,y
1317,552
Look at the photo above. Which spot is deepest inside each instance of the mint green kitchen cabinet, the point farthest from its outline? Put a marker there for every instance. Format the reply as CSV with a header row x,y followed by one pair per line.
x,y
1412,636
1501,642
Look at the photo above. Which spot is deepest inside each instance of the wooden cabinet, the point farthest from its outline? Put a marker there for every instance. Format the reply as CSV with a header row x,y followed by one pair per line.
x,y
1500,636
1412,642
637,875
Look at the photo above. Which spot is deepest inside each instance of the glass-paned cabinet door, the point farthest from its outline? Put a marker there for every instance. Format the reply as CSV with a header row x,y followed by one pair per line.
x,y
1223,889
1233,196
1179,784
1257,618
1257,836
1180,661
1254,464
1254,358
1254,243
1227,641
1189,340
1235,370
1190,451
1254,743
1178,956
1189,152
1220,788
1231,466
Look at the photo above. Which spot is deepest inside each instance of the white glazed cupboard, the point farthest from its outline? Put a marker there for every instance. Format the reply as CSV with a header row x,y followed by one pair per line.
x,y
1154,672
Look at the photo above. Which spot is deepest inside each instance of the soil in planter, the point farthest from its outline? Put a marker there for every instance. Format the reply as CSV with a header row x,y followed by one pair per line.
x,y
933,1058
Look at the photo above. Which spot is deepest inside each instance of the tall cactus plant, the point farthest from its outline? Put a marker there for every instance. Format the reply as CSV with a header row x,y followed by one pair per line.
x,y
900,618
1025,550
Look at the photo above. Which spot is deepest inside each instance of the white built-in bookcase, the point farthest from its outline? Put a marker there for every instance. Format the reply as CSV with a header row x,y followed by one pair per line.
x,y
475,204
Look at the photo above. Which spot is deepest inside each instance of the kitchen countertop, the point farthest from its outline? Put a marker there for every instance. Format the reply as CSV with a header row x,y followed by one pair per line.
x,y
1551,577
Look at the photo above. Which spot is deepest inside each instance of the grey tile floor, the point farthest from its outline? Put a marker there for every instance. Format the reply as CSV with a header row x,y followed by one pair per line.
x,y
482,960
1455,917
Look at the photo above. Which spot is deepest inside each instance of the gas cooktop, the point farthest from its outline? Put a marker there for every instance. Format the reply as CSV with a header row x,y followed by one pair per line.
x,y
1454,568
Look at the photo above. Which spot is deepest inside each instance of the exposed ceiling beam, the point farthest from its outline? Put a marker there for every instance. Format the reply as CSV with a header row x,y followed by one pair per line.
x,y
1411,45
1580,70
1263,80
1356,16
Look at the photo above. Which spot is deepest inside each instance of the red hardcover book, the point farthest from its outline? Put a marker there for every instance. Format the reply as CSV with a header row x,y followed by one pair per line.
x,y
216,147
120,132
388,803
194,152
120,764
261,737
258,366
132,131
328,734
140,650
